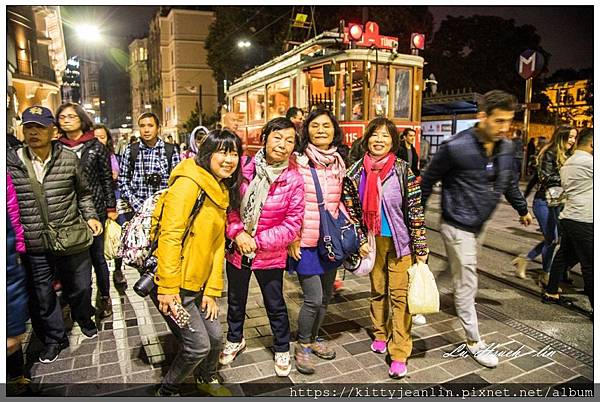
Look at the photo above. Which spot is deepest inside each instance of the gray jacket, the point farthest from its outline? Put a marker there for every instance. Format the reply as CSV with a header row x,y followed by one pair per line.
x,y
67,194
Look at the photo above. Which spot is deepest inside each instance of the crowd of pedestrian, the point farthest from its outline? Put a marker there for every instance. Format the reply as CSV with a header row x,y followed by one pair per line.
x,y
226,213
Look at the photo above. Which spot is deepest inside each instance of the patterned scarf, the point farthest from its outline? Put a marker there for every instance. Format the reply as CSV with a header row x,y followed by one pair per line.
x,y
258,190
376,171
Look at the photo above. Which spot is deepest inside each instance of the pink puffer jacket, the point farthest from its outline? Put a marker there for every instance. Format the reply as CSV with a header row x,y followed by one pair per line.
x,y
279,223
332,193
12,206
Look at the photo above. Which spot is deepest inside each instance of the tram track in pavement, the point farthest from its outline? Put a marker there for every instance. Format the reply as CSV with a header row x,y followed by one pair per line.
x,y
521,287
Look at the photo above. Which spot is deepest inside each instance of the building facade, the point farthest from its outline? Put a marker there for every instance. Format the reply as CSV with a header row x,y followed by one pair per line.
x,y
176,49
138,76
36,59
571,102
89,67
71,82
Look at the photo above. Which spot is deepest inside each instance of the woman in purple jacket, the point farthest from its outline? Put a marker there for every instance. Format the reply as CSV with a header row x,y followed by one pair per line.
x,y
392,211
268,220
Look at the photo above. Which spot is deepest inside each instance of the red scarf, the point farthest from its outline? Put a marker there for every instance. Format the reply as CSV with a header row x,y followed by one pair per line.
x,y
377,171
87,136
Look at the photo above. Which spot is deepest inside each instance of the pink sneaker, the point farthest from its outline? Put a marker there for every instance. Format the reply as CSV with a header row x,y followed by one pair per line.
x,y
378,346
398,369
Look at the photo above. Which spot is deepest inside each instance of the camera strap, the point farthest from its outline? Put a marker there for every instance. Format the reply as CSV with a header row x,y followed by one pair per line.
x,y
195,210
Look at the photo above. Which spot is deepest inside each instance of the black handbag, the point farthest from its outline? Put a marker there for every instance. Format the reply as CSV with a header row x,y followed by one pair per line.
x,y
60,240
338,238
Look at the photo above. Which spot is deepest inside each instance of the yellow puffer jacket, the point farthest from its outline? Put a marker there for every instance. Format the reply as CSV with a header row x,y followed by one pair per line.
x,y
198,264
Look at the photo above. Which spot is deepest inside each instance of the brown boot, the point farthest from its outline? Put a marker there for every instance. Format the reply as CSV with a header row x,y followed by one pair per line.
x,y
520,264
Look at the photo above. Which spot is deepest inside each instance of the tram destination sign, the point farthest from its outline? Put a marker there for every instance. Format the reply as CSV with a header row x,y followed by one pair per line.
x,y
371,37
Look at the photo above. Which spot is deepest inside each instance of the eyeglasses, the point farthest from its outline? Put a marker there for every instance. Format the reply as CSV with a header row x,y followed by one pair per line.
x,y
67,116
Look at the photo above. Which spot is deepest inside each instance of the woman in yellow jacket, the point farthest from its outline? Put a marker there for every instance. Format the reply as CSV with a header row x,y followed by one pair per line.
x,y
190,270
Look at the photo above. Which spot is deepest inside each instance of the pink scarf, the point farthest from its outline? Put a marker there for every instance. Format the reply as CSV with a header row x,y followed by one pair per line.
x,y
329,158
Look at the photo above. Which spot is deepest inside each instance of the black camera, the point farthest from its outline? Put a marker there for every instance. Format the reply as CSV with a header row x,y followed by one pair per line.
x,y
145,284
153,179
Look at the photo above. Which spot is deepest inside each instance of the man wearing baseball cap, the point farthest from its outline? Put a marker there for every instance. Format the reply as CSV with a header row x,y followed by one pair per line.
x,y
59,219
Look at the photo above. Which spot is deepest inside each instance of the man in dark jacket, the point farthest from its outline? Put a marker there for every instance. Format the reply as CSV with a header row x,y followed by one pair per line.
x,y
77,135
45,164
407,150
476,168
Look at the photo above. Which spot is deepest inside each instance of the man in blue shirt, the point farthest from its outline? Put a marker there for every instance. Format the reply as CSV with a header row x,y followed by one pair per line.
x,y
144,169
476,169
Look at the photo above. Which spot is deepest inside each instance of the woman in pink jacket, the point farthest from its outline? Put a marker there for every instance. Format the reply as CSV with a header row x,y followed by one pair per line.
x,y
320,146
268,220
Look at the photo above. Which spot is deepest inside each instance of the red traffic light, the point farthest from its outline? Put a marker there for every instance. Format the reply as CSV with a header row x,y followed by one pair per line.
x,y
417,41
355,32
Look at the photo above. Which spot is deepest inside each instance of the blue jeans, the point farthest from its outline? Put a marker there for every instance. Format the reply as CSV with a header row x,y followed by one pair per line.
x,y
99,263
547,218
200,343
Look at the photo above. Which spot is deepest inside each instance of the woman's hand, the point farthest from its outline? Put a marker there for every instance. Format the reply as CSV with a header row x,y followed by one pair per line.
x,y
210,307
364,250
165,302
294,250
245,243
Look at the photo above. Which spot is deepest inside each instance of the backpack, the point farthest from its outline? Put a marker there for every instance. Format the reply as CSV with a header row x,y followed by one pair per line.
x,y
135,149
140,235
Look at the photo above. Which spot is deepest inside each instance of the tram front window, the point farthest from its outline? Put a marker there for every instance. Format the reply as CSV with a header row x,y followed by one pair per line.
x,y
256,106
358,81
379,100
402,93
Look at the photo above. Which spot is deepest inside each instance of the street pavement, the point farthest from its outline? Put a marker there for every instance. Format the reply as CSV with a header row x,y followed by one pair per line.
x,y
134,347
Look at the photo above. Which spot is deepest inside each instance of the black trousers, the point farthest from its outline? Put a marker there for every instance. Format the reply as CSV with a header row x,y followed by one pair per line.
x,y
271,286
75,275
576,246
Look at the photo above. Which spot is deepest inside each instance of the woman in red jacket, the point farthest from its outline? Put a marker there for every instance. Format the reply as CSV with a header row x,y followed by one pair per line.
x,y
268,220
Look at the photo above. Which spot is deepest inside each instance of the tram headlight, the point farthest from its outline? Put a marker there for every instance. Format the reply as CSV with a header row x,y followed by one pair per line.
x,y
417,41
355,32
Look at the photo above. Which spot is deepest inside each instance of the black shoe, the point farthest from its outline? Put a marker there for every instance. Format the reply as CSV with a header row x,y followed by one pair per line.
x,y
104,307
159,390
51,351
89,329
119,278
561,301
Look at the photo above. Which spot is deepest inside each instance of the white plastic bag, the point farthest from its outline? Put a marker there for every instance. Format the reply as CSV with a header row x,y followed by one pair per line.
x,y
423,295
112,239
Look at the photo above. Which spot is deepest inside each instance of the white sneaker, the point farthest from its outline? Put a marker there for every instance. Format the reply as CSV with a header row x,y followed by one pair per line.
x,y
419,319
283,364
482,355
231,350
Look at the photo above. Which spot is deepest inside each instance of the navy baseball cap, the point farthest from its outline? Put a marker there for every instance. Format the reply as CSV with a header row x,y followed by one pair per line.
x,y
38,114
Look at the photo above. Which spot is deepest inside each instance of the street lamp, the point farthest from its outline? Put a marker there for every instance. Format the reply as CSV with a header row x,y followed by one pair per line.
x,y
89,33
244,43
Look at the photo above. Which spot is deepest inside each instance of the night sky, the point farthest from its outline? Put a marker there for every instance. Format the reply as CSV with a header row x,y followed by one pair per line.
x,y
567,32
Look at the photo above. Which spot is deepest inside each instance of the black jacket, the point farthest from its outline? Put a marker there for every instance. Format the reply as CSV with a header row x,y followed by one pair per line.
x,y
66,190
472,183
403,154
548,172
95,165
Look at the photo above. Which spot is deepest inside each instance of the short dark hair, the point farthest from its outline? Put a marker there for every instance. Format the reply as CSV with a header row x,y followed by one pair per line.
x,y
585,137
292,112
86,121
338,134
391,127
228,141
278,123
406,130
109,140
497,99
146,115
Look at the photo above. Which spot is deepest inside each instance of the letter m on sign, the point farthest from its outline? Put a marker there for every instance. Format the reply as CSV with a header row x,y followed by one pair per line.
x,y
530,64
